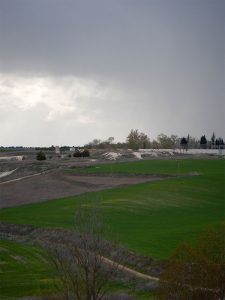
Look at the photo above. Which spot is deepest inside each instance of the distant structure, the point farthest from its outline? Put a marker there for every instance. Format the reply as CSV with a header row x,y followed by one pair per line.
x,y
5,158
72,149
57,149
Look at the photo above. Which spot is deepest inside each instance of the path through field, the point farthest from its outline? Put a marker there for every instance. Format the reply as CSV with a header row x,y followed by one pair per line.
x,y
130,271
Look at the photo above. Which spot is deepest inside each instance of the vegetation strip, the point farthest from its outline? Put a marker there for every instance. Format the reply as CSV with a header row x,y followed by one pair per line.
x,y
57,236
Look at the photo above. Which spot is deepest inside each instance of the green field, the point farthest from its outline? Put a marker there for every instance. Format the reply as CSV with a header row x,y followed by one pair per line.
x,y
171,166
23,271
149,218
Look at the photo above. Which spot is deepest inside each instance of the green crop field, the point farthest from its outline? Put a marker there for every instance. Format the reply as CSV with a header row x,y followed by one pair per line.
x,y
23,271
168,167
149,218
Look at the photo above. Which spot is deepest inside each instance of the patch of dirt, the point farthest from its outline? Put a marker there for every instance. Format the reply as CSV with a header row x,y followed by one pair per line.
x,y
58,184
17,169
18,258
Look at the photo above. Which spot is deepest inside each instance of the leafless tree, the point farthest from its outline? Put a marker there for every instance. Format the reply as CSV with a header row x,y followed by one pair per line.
x,y
82,262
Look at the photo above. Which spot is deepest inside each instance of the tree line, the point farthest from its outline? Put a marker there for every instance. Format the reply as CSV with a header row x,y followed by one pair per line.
x,y
139,140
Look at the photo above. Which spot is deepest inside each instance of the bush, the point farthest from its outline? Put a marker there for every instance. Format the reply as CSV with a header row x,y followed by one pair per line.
x,y
85,153
77,153
41,156
196,272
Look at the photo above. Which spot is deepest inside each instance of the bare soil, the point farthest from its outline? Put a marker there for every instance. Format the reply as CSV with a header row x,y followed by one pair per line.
x,y
58,184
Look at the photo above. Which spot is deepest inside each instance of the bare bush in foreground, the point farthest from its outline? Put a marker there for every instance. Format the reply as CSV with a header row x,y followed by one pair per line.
x,y
81,264
197,272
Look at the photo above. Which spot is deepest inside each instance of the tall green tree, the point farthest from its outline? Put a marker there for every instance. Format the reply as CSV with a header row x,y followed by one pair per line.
x,y
136,140
167,142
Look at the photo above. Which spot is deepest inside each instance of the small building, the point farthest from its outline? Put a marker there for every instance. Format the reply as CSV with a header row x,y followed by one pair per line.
x,y
7,158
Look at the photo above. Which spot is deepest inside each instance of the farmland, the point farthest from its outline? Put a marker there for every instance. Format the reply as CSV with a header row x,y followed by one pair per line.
x,y
150,218
23,270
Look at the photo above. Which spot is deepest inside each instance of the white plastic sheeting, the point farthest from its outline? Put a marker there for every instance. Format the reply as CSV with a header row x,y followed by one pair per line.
x,y
6,173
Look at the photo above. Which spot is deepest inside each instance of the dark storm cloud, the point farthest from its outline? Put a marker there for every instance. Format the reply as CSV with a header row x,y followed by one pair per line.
x,y
162,60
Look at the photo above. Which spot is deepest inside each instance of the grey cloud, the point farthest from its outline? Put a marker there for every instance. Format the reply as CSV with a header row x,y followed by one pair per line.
x,y
164,59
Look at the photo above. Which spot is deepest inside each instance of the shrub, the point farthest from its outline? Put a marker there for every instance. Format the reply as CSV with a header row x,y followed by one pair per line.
x,y
41,156
196,272
77,153
86,153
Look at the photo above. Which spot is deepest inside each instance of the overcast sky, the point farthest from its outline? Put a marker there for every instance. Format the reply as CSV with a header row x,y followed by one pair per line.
x,y
75,70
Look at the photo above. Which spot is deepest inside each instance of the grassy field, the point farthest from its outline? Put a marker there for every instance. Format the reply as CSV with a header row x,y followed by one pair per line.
x,y
149,218
23,271
168,167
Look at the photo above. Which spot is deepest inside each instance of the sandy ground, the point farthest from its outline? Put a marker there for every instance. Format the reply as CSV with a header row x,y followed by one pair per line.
x,y
59,184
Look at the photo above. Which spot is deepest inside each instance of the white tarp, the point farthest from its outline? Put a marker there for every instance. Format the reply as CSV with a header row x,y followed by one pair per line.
x,y
6,173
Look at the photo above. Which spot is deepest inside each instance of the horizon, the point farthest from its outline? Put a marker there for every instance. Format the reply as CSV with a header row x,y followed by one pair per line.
x,y
105,140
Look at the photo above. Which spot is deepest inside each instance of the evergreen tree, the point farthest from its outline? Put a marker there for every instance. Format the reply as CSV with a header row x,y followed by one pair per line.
x,y
213,139
183,143
203,142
